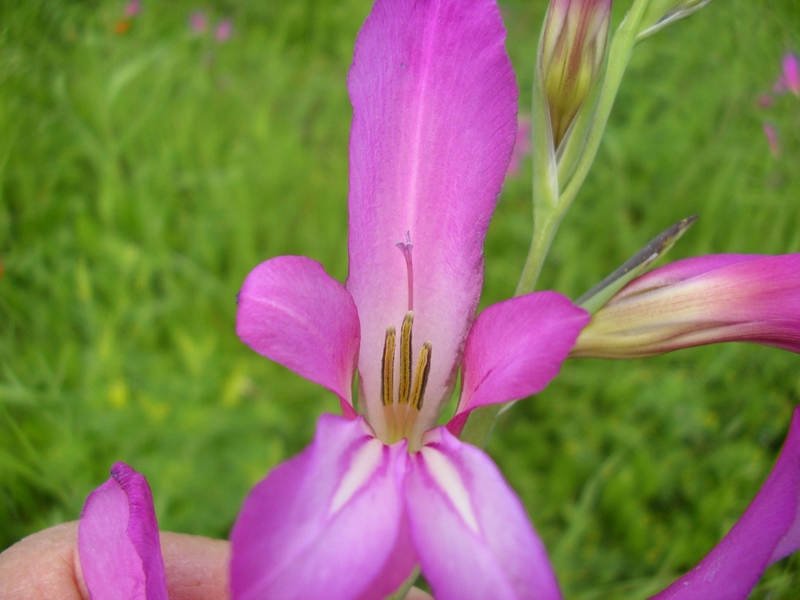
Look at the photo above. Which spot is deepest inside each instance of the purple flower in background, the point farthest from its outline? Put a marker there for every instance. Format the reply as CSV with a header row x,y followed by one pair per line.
x,y
702,300
434,105
223,31
133,8
198,22
118,543
790,78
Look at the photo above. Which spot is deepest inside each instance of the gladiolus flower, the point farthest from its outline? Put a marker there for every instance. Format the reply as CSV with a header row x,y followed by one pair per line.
x,y
571,54
434,106
702,300
118,543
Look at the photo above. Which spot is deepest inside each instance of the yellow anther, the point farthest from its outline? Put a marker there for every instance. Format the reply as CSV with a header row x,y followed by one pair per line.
x,y
387,367
405,358
421,376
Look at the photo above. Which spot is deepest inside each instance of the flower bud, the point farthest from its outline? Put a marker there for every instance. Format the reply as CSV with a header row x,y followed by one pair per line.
x,y
572,50
697,301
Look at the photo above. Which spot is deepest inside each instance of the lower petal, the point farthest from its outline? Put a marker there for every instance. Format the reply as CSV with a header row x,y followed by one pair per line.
x,y
768,531
472,535
329,523
118,543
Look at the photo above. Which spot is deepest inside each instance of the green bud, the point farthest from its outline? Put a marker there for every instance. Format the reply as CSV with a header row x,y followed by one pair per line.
x,y
571,54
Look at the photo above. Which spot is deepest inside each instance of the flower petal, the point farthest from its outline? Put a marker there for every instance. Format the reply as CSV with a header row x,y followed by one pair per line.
x,y
329,523
434,122
703,300
293,312
768,531
516,347
118,542
471,532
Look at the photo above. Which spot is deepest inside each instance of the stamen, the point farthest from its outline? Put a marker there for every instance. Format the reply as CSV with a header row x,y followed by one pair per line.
x,y
421,376
387,366
405,358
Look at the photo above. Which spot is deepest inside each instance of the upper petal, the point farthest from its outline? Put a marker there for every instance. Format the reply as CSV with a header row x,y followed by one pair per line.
x,y
703,300
292,311
434,122
516,347
329,523
118,543
768,531
471,532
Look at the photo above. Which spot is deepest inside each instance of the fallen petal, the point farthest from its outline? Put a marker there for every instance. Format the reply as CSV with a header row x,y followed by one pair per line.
x,y
118,543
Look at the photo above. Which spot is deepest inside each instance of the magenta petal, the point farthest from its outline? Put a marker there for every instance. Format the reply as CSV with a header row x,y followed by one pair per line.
x,y
294,313
516,347
470,530
434,122
703,300
328,523
768,531
118,542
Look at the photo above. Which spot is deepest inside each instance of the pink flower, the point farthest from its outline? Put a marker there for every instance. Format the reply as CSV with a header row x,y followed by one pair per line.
x,y
198,22
702,300
223,31
118,543
133,8
791,73
434,123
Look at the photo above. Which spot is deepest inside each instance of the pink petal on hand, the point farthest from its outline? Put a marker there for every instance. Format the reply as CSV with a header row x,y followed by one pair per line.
x,y
294,313
768,531
703,300
516,347
434,122
471,532
118,542
327,524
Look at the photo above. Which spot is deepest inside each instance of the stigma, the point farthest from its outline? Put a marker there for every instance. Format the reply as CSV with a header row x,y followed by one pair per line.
x,y
402,409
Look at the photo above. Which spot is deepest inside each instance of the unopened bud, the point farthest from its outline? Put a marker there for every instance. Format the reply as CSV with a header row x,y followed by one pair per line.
x,y
660,13
572,51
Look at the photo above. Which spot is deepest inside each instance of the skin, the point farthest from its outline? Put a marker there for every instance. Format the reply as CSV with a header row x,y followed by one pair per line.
x,y
45,566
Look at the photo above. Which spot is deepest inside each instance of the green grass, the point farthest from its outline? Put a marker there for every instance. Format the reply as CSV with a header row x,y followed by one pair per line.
x,y
143,175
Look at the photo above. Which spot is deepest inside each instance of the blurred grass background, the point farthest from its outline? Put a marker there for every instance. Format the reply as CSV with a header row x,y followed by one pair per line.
x,y
145,169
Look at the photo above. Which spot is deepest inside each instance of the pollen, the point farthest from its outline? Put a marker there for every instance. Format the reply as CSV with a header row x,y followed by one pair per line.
x,y
401,410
